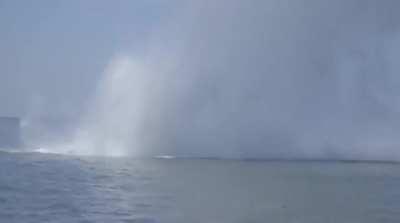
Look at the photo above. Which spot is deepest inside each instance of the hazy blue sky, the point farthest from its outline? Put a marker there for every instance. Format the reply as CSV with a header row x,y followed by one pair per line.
x,y
52,52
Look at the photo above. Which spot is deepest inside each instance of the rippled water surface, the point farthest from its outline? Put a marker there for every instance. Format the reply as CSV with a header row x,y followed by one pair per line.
x,y
53,188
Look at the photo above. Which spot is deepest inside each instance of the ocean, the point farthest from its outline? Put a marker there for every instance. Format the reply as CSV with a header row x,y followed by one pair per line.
x,y
37,187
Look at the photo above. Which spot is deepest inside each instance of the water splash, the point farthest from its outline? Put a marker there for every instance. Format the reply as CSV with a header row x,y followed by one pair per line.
x,y
112,122
319,83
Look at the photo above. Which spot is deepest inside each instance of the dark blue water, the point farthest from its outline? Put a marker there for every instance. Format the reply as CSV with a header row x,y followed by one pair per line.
x,y
53,188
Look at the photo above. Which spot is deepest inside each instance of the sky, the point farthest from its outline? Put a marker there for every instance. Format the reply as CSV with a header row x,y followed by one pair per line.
x,y
276,78
52,52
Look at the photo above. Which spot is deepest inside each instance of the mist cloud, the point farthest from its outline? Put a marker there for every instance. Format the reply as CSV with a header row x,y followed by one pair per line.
x,y
272,79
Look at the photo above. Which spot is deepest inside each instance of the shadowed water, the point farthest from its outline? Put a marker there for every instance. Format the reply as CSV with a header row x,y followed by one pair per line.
x,y
51,188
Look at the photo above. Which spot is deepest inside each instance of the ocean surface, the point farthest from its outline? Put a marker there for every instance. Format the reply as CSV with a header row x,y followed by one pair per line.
x,y
38,187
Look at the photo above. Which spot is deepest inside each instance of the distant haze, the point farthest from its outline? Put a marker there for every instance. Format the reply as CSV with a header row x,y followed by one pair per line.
x,y
263,79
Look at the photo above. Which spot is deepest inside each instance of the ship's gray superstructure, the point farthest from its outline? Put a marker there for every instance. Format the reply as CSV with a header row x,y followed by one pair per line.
x,y
10,132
